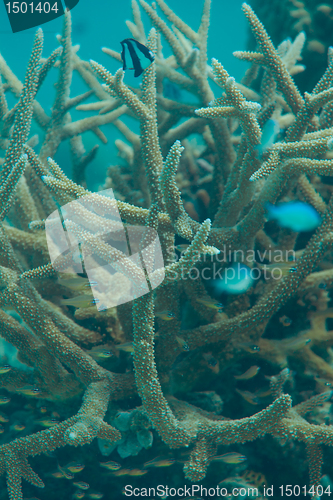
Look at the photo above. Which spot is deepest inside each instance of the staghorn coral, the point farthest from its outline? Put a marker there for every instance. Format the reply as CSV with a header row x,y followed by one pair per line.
x,y
181,185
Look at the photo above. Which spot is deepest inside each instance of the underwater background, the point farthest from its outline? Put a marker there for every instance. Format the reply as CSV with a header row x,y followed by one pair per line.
x,y
103,25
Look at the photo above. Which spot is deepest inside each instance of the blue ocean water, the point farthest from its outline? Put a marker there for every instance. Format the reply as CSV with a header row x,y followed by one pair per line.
x,y
101,23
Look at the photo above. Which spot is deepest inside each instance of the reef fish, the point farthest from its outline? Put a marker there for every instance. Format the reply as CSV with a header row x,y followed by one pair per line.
x,y
29,390
139,55
79,494
110,465
100,352
80,301
296,215
5,369
127,347
248,346
82,485
74,467
76,283
137,472
285,320
230,458
270,132
250,373
165,315
278,270
212,363
160,462
47,422
249,397
65,472
211,303
236,279
3,418
17,427
183,344
293,344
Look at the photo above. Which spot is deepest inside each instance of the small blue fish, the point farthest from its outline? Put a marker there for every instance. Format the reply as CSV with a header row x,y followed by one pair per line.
x,y
270,132
296,215
171,91
236,279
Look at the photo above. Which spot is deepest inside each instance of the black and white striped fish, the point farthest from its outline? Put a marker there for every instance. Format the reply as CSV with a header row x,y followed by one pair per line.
x,y
139,55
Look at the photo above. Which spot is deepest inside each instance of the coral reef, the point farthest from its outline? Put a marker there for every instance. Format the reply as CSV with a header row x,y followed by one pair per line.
x,y
154,375
312,17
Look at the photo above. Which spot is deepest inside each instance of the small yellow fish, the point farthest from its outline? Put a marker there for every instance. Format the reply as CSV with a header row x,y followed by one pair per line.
x,y
5,369
18,427
293,344
29,390
230,458
165,315
248,346
57,474
121,472
43,409
250,373
182,343
212,363
2,429
249,397
211,303
81,301
79,494
100,352
110,465
82,485
285,321
4,400
96,495
47,422
3,418
137,472
319,380
74,467
159,462
127,347
263,393
77,283
278,270
66,473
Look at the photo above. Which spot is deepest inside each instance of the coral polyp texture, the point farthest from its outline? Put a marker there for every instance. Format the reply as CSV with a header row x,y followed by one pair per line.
x,y
192,373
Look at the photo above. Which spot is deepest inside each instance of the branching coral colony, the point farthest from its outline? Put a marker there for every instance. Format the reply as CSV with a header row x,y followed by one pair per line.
x,y
221,177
